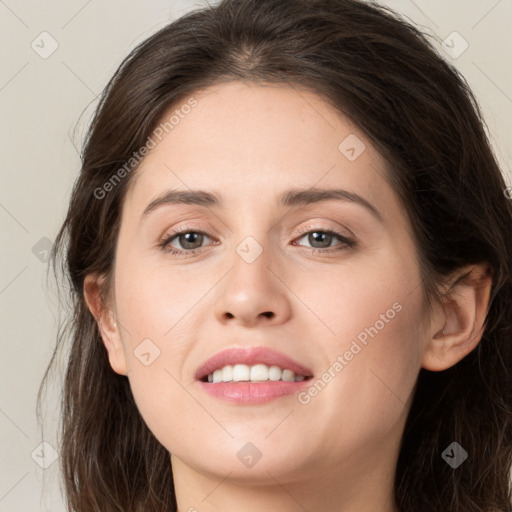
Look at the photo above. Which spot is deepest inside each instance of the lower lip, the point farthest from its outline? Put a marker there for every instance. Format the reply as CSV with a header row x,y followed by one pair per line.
x,y
252,392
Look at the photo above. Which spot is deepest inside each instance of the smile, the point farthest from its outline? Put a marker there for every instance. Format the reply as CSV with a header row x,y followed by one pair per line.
x,y
255,373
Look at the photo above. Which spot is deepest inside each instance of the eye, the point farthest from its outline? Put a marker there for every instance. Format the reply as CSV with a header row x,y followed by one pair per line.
x,y
321,239
190,241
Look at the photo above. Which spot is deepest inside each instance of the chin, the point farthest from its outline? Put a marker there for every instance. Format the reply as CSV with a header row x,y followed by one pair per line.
x,y
250,459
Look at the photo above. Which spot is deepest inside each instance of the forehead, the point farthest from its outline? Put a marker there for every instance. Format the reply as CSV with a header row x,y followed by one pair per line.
x,y
248,140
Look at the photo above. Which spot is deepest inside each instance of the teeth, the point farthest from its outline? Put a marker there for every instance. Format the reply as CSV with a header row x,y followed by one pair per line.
x,y
258,372
288,376
227,373
274,373
240,372
255,373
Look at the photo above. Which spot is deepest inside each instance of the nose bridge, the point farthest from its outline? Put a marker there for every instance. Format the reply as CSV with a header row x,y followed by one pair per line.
x,y
251,291
253,237
251,265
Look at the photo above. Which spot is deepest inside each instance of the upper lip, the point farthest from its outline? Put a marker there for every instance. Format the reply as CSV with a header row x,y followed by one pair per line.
x,y
250,356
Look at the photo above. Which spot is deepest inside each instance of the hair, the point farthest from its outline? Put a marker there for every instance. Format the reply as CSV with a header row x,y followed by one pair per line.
x,y
417,109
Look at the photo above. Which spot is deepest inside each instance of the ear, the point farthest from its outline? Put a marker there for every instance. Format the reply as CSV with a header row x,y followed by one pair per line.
x,y
458,327
106,321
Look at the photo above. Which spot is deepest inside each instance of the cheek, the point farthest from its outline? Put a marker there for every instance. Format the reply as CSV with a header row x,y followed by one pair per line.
x,y
157,309
371,316
377,291
362,398
158,303
154,312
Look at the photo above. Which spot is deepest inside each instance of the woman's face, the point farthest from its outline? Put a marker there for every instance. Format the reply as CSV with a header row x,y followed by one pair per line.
x,y
259,268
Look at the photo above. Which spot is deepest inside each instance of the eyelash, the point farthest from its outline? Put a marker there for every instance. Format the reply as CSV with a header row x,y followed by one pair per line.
x,y
346,242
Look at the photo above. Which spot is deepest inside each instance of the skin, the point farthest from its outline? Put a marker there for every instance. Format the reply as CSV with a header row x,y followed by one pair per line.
x,y
249,143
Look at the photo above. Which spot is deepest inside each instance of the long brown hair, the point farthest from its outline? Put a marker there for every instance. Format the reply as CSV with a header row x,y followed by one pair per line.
x,y
419,112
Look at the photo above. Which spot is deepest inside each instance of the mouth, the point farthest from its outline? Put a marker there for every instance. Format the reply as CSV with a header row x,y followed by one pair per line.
x,y
255,373
251,375
251,364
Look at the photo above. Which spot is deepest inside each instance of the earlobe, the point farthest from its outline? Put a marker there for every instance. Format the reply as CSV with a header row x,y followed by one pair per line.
x,y
459,327
106,321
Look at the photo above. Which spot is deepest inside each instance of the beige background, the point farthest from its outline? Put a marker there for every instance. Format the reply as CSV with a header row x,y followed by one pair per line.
x,y
41,102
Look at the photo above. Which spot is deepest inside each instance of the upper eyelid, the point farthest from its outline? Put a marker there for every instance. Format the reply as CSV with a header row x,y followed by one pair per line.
x,y
314,226
305,229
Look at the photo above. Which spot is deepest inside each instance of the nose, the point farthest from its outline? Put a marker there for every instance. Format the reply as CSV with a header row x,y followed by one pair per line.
x,y
253,293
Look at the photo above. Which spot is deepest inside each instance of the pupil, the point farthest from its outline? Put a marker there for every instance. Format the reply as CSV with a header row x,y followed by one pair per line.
x,y
321,235
186,236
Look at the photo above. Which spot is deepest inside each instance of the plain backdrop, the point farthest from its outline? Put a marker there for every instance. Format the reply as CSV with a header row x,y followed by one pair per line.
x,y
56,58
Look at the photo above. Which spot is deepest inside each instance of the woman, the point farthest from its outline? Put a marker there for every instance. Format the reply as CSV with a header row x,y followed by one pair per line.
x,y
289,248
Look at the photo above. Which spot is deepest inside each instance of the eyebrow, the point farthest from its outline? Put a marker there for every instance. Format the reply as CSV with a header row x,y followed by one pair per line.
x,y
290,198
